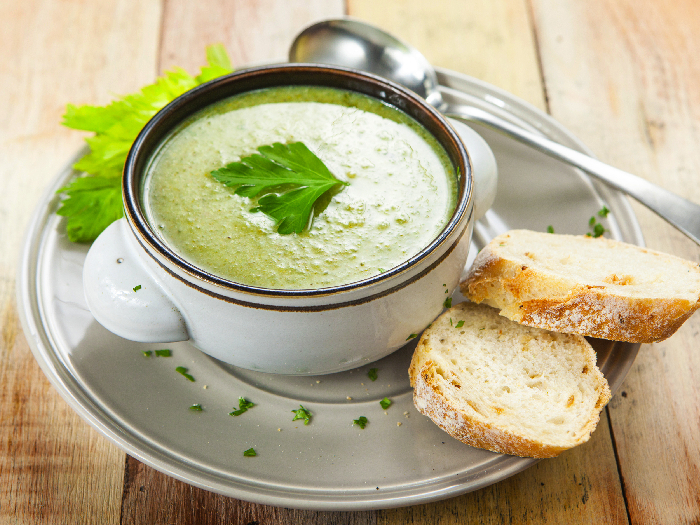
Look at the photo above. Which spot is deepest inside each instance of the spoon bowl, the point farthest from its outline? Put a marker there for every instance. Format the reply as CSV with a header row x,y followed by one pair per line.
x,y
355,44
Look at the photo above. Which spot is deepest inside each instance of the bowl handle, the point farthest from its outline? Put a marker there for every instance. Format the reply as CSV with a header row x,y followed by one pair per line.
x,y
483,167
123,293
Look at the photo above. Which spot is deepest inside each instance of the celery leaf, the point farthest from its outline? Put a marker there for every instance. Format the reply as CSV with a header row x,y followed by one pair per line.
x,y
91,205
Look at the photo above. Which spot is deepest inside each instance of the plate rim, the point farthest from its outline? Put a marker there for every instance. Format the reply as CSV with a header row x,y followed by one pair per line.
x,y
79,400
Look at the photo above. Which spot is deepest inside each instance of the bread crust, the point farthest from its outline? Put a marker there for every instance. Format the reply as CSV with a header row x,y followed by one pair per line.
x,y
532,297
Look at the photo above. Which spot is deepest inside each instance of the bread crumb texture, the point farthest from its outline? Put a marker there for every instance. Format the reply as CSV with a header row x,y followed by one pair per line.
x,y
505,387
577,284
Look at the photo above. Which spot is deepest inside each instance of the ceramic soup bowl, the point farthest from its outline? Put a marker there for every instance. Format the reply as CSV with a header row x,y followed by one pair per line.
x,y
138,287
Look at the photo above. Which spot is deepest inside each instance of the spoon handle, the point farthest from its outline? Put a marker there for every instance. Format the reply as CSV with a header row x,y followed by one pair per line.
x,y
679,212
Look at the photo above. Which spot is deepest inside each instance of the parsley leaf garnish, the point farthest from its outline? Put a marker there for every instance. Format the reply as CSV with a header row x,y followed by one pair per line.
x,y
360,422
163,353
250,453
302,413
372,374
411,336
94,201
243,406
460,324
385,403
271,173
447,303
196,407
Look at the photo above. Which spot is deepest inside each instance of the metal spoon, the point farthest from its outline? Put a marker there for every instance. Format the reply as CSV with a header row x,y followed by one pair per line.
x,y
355,44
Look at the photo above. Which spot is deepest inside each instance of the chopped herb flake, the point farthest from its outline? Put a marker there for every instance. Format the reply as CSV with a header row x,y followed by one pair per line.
x,y
360,422
411,336
550,229
163,353
597,229
250,453
385,403
196,407
243,406
372,374
244,403
137,287
447,303
302,413
460,324
182,370
146,353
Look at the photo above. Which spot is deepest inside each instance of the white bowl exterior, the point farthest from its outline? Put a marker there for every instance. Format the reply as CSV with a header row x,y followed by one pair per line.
x,y
347,330
303,332
284,335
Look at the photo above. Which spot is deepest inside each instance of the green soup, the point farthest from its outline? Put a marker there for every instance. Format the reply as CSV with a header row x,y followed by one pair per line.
x,y
401,193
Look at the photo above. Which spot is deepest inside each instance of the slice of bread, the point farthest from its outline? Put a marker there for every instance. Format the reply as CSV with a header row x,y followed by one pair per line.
x,y
577,284
505,387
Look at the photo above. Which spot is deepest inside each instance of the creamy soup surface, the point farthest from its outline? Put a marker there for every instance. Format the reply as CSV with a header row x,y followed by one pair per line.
x,y
401,193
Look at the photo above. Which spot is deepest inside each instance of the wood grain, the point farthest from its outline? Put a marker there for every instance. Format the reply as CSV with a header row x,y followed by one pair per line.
x,y
156,499
253,31
495,39
53,467
580,486
619,73
491,40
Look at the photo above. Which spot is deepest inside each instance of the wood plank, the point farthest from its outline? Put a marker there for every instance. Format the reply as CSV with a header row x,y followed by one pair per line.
x,y
489,40
252,32
154,498
494,41
53,467
622,75
578,487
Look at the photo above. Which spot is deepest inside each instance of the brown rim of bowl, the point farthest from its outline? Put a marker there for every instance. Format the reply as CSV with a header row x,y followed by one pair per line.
x,y
285,75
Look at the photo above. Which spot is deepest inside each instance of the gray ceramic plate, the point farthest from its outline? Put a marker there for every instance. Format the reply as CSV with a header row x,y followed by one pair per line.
x,y
400,458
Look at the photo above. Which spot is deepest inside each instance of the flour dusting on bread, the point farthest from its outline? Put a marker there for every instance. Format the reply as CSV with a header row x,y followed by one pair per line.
x,y
498,385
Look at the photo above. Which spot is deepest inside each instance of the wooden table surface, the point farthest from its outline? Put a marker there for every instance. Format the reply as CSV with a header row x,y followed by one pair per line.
x,y
623,75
